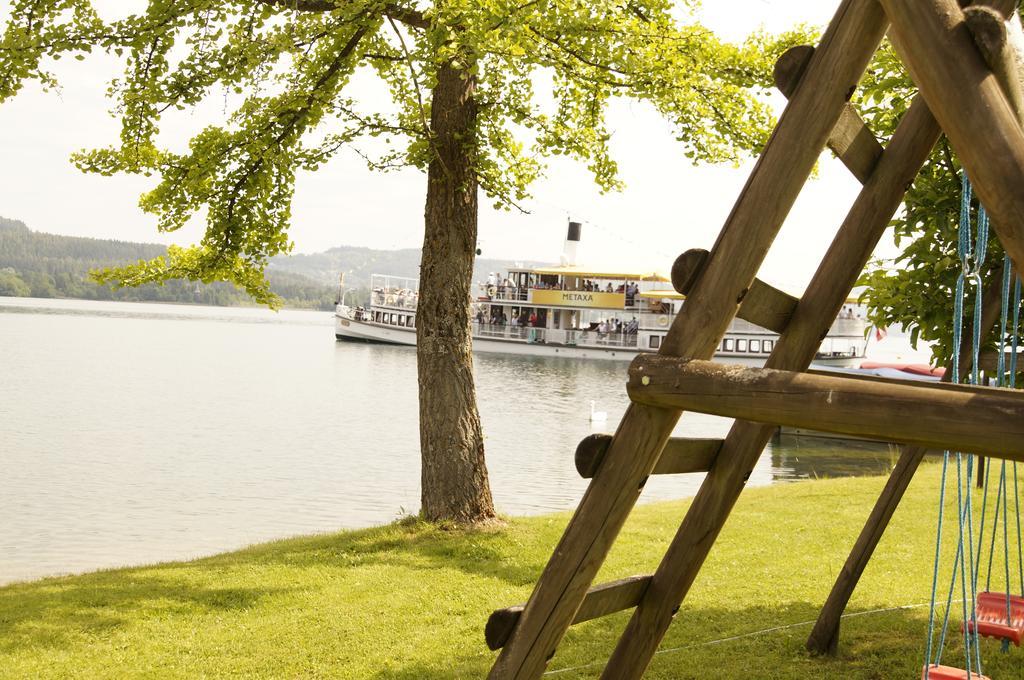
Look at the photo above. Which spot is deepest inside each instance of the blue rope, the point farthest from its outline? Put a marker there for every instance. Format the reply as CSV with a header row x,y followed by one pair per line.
x,y
953,576
1013,385
965,564
963,573
935,574
992,543
1006,552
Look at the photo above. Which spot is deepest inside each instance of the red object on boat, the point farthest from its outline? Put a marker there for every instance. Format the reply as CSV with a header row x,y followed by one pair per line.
x,y
991,615
949,673
916,369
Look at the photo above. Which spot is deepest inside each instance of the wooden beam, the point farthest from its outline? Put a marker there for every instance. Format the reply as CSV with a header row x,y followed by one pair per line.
x,y
601,600
681,455
766,199
851,140
984,420
824,637
762,305
850,250
933,39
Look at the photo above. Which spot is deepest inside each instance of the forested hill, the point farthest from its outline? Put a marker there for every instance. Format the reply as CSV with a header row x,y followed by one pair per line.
x,y
359,264
37,264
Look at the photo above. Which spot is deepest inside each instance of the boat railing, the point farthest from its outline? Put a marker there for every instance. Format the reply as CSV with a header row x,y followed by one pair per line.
x,y
395,298
588,338
569,337
841,346
493,293
507,294
850,327
510,332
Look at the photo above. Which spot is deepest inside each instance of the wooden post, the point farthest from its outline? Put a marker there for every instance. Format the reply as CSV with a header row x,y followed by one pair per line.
x,y
824,637
850,250
769,194
970,105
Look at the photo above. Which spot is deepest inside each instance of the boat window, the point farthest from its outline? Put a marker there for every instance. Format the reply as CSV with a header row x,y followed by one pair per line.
x,y
655,341
741,345
755,345
401,319
767,346
727,344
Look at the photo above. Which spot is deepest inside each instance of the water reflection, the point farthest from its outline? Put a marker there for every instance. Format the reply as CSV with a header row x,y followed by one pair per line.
x,y
808,457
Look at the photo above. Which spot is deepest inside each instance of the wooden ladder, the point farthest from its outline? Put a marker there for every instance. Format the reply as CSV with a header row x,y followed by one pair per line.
x,y
965,93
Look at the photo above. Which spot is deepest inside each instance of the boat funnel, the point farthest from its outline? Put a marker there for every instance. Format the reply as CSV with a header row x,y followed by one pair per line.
x,y
572,242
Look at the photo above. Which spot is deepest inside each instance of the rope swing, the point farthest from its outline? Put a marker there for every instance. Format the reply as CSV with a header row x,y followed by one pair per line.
x,y
1001,614
998,615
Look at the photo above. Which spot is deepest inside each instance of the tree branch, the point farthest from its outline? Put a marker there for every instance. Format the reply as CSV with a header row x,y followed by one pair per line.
x,y
406,15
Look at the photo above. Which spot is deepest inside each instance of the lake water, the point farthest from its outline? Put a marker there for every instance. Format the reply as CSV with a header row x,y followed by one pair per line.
x,y
133,433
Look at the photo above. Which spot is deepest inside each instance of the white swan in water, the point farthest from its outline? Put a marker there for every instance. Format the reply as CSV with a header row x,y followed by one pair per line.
x,y
597,416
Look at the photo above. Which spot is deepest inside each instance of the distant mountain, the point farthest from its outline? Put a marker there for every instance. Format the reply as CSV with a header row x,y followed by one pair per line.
x,y
12,225
38,264
359,264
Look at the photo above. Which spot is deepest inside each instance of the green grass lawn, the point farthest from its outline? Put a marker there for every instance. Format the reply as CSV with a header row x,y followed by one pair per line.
x,y
410,601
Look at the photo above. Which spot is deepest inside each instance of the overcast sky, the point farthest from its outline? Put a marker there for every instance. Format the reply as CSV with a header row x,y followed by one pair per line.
x,y
667,206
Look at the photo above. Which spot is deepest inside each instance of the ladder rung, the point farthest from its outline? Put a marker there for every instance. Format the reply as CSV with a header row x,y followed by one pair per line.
x,y
681,455
762,305
600,600
851,140
984,420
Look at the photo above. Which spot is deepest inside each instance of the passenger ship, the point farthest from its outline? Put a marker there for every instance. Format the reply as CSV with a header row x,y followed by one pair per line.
x,y
576,312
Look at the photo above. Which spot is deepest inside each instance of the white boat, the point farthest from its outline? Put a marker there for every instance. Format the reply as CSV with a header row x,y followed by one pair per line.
x,y
576,312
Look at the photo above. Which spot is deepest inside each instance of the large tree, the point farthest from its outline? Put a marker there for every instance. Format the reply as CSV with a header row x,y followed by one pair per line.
x,y
482,91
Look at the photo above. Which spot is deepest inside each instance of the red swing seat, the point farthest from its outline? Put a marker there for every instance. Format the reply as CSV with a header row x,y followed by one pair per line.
x,y
991,615
949,673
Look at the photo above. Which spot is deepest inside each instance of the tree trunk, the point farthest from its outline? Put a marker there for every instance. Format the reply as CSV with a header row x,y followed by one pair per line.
x,y
454,483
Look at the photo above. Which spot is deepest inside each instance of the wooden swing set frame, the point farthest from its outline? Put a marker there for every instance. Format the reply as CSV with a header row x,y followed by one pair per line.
x,y
969,91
